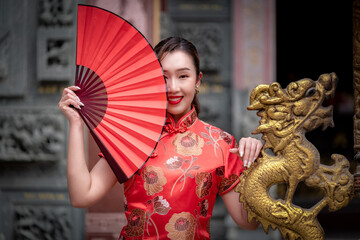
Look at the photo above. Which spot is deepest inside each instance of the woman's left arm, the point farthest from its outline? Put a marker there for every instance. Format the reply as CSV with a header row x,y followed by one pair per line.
x,y
248,150
237,210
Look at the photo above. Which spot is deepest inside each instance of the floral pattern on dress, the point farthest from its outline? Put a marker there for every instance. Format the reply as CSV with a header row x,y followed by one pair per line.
x,y
204,207
181,226
160,206
220,171
226,137
188,144
226,183
204,183
154,179
213,138
174,163
136,223
186,166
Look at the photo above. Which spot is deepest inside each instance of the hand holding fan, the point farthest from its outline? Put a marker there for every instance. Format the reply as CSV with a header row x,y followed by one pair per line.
x,y
122,87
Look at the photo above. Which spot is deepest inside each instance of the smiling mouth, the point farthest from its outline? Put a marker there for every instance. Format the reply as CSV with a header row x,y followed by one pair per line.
x,y
174,100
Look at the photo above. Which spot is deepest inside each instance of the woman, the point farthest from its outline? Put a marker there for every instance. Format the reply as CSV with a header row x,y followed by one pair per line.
x,y
174,193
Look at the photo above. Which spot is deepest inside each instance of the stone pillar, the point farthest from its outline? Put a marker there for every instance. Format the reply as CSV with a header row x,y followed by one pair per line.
x,y
253,62
253,58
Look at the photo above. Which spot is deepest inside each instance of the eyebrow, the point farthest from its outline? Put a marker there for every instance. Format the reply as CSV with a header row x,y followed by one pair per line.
x,y
181,69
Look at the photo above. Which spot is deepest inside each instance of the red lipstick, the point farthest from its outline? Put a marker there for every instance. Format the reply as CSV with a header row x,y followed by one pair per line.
x,y
175,99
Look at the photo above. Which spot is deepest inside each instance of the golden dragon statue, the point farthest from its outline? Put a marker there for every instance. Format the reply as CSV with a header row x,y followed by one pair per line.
x,y
288,157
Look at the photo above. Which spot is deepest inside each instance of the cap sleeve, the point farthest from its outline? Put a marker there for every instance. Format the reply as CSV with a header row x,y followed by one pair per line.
x,y
233,167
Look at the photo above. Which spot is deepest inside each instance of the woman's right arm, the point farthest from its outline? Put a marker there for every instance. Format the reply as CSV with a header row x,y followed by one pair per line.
x,y
85,188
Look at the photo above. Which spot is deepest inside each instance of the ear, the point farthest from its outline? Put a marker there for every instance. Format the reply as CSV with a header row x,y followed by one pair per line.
x,y
198,80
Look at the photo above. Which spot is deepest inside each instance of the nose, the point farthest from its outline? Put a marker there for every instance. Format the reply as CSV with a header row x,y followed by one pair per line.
x,y
172,85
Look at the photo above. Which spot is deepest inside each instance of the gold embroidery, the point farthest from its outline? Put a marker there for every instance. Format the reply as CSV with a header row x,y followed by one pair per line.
x,y
188,144
153,179
161,206
181,226
204,207
226,183
204,183
136,223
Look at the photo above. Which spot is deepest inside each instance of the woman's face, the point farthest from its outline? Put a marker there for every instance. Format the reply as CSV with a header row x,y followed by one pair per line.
x,y
181,80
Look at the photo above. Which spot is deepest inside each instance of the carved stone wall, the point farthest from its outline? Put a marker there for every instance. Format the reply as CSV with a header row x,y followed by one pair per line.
x,y
38,215
13,66
31,134
36,62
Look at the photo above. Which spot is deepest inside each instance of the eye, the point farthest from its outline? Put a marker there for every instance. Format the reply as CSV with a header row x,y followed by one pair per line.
x,y
183,76
310,92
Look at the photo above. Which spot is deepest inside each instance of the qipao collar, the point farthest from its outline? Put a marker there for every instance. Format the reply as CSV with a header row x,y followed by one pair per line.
x,y
183,124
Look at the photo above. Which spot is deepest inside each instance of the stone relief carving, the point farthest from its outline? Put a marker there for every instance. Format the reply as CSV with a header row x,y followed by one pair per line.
x,y
31,135
42,222
56,40
55,49
207,38
55,13
13,48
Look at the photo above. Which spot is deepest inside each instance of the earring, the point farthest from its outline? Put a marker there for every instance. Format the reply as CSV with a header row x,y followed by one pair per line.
x,y
196,90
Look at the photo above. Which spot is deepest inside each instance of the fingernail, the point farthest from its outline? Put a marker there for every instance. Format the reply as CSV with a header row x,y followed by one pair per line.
x,y
82,104
78,98
241,154
77,87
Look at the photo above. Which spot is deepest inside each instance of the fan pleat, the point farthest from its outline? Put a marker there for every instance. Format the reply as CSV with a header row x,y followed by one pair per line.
x,y
124,142
136,84
139,57
147,71
125,159
122,87
134,133
126,58
138,110
148,129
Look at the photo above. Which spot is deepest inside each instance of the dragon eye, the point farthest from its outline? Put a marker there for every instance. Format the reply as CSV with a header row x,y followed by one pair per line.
x,y
310,92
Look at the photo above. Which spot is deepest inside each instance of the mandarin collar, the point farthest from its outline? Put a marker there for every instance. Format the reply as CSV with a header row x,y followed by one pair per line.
x,y
183,124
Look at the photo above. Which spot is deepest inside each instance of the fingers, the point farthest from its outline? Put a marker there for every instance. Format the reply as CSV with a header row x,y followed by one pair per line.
x,y
250,149
69,98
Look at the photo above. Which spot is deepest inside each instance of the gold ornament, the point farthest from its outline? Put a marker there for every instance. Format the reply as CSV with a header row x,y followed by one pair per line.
x,y
286,115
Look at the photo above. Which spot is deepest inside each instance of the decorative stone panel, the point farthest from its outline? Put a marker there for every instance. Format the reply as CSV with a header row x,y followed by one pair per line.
x,y
56,40
31,134
37,215
13,48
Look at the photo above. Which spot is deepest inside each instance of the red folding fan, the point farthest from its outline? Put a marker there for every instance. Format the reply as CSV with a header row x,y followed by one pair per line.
x,y
122,87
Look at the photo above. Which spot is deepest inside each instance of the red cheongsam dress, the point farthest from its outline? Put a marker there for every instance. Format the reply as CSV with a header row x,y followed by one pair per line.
x,y
173,195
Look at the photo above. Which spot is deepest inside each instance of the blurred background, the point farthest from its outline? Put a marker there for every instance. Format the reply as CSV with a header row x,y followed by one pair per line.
x,y
242,43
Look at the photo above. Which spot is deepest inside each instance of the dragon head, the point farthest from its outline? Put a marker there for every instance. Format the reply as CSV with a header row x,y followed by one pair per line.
x,y
294,110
